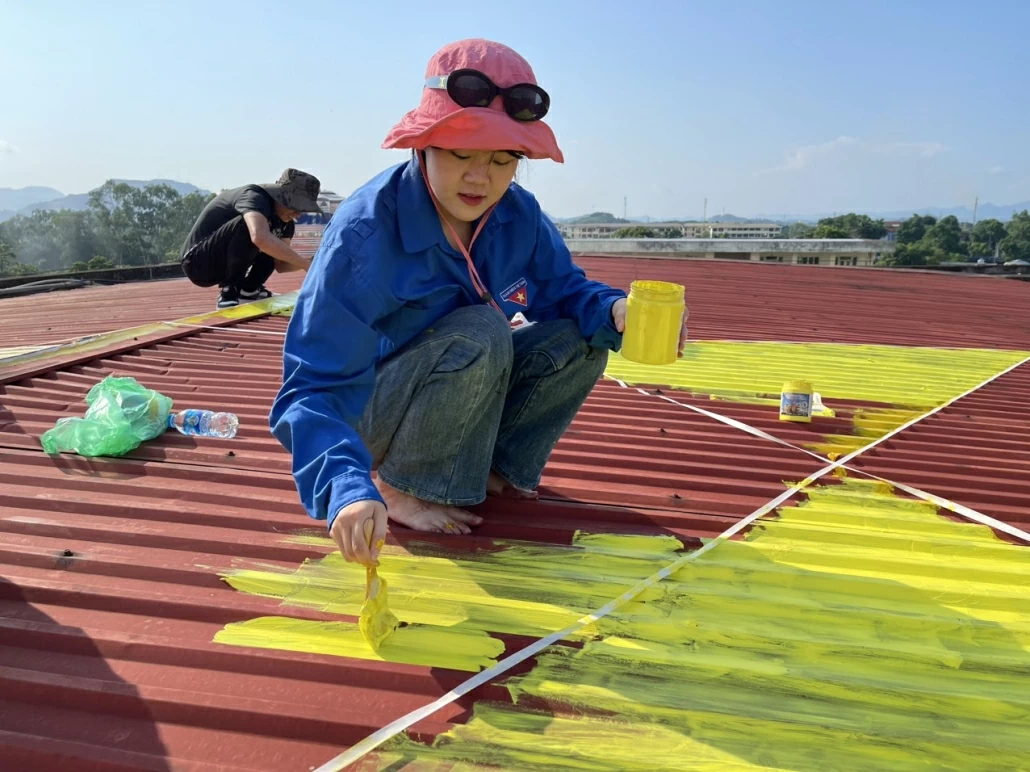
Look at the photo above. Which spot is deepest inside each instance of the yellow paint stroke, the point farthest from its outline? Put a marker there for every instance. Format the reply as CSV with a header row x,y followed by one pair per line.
x,y
869,424
912,377
859,631
521,588
18,351
431,647
498,737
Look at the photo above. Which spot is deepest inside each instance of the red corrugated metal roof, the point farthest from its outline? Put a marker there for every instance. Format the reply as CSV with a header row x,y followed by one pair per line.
x,y
976,452
762,301
56,317
728,300
111,595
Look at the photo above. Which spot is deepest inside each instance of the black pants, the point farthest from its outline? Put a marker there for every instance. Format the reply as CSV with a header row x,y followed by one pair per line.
x,y
228,258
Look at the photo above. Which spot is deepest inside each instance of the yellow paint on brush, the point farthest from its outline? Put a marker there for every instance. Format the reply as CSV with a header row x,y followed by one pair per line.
x,y
376,621
915,377
859,631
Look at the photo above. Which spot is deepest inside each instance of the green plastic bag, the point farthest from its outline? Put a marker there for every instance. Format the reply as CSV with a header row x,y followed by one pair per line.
x,y
122,414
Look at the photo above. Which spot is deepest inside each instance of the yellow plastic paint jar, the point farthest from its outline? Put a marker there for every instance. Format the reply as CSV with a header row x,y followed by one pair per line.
x,y
655,311
796,402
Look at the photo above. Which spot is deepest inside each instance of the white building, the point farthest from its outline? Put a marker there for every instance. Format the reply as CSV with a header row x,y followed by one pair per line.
x,y
687,230
830,252
329,201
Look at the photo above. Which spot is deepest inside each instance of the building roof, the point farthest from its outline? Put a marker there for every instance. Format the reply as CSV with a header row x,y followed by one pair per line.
x,y
174,609
742,246
60,317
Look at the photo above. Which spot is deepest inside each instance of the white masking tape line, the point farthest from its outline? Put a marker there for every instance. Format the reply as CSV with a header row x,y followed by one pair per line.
x,y
723,419
958,509
374,740
228,328
940,501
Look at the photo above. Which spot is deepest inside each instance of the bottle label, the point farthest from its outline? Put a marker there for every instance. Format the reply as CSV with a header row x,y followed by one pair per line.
x,y
191,421
794,404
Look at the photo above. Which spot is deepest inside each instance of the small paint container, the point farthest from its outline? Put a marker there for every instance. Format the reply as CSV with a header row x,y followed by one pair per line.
x,y
655,311
796,402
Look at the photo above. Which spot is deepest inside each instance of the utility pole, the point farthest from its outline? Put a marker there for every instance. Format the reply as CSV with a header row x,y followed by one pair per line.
x,y
976,205
624,207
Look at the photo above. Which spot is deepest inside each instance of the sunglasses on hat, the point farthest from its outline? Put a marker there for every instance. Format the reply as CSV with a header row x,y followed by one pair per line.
x,y
471,88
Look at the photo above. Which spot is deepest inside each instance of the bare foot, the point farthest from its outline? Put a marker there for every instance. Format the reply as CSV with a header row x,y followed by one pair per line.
x,y
422,515
498,486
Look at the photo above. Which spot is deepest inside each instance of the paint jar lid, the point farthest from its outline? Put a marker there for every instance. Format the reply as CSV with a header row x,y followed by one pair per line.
x,y
797,387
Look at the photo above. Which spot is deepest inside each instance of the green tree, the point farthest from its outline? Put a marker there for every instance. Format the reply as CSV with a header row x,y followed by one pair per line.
x,y
914,228
9,265
135,226
635,232
73,236
907,255
34,239
1016,245
99,263
856,226
143,226
799,230
823,231
179,221
989,233
79,266
946,236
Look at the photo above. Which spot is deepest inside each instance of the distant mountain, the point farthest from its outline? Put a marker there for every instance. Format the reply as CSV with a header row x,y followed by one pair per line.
x,y
13,199
78,202
182,188
596,218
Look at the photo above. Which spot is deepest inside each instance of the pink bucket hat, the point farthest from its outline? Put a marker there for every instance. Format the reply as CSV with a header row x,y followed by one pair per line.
x,y
440,122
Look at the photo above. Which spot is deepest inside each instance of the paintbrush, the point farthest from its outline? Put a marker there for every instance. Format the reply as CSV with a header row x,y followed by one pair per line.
x,y
376,622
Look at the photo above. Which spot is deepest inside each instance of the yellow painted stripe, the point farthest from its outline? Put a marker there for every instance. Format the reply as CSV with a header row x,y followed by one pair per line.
x,y
913,377
859,631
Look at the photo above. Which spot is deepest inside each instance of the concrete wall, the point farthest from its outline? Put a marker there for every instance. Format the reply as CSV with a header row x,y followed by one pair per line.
x,y
859,252
689,230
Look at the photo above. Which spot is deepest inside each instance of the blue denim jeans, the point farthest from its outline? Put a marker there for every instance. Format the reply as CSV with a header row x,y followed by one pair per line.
x,y
470,395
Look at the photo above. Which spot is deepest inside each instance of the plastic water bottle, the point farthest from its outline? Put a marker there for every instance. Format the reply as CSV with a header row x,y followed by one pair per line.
x,y
205,423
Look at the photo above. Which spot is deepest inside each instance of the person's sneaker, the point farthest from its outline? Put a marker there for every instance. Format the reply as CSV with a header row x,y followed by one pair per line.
x,y
261,293
229,297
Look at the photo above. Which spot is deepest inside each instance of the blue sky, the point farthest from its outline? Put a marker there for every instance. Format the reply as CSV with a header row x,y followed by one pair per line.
x,y
762,107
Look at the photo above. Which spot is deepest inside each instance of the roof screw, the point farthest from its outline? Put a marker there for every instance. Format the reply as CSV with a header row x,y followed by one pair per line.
x,y
68,554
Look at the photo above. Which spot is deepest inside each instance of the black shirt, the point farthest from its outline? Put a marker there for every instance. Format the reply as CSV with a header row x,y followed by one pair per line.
x,y
234,203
